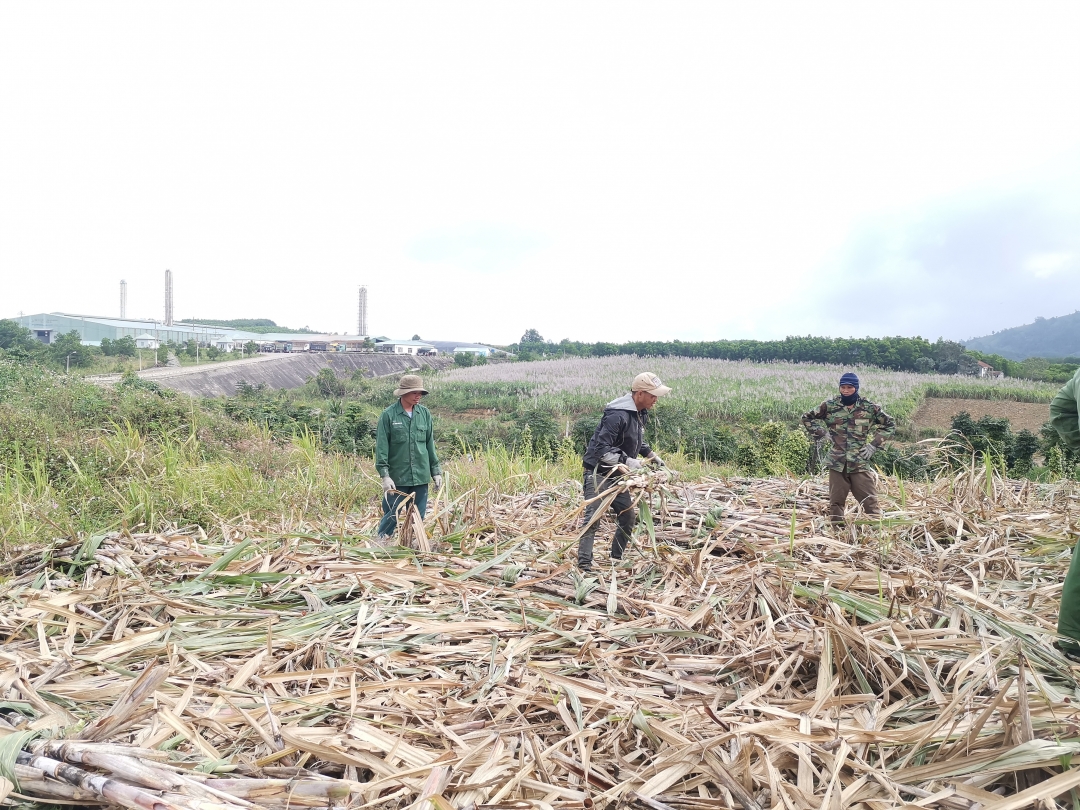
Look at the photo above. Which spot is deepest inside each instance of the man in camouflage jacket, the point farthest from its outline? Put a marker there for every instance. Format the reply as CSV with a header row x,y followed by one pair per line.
x,y
849,419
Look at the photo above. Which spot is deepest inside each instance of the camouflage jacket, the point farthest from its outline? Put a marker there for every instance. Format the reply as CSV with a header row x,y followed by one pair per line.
x,y
850,429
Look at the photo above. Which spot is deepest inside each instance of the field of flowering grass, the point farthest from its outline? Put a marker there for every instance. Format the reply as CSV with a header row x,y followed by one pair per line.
x,y
708,388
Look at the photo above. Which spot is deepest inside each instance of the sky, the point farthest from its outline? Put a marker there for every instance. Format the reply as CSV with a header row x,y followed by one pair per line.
x,y
603,171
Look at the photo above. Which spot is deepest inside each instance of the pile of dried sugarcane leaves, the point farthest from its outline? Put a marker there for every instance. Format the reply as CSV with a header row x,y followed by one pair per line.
x,y
742,655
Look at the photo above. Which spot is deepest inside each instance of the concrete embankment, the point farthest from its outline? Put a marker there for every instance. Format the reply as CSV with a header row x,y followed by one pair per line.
x,y
276,371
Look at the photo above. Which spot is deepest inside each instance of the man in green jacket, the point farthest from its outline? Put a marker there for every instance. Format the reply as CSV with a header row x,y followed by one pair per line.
x,y
848,420
1064,418
405,455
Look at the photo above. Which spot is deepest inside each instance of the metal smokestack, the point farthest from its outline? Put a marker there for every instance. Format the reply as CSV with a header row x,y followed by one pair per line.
x,y
123,298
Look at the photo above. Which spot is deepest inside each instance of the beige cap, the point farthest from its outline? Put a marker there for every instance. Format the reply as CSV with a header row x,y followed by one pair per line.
x,y
408,384
647,381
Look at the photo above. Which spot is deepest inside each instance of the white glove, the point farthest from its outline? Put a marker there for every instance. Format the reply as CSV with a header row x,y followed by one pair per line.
x,y
438,482
867,452
388,484
655,459
633,464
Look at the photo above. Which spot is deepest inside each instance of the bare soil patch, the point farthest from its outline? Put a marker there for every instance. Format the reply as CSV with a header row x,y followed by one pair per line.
x,y
939,413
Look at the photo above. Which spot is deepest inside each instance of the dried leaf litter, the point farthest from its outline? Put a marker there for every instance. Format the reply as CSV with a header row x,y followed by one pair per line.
x,y
742,655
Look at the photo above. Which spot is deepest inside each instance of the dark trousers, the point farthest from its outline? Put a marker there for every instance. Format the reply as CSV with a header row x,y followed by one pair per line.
x,y
625,514
392,499
859,484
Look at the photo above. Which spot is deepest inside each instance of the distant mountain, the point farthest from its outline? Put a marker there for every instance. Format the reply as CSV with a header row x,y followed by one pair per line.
x,y
1047,337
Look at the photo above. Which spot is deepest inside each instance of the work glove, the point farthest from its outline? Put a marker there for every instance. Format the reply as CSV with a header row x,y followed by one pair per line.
x,y
655,459
867,452
388,483
438,482
610,459
633,464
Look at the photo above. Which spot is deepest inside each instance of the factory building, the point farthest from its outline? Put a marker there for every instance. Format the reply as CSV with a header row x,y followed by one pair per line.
x,y
92,329
289,342
418,347
46,327
300,342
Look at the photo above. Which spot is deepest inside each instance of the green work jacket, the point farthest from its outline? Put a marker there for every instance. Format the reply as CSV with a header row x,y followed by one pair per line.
x,y
405,448
850,428
1066,421
1063,413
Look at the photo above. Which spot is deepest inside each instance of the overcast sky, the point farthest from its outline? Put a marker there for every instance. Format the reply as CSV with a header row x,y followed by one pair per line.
x,y
598,171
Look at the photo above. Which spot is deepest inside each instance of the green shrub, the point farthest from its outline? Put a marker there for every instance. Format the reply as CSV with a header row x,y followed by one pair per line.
x,y
535,431
583,429
1025,446
327,383
904,462
993,436
794,451
354,429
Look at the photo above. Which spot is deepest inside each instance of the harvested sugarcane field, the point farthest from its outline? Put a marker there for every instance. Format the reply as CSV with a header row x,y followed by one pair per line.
x,y
742,655
267,652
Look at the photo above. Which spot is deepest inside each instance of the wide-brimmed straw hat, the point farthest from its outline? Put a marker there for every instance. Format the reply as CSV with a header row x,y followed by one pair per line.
x,y
647,381
409,384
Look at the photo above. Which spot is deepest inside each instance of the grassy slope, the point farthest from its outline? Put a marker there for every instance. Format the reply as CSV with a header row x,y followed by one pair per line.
x,y
76,458
79,459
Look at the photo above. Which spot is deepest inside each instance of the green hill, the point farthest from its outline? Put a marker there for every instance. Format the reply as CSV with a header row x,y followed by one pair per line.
x,y
1047,337
262,326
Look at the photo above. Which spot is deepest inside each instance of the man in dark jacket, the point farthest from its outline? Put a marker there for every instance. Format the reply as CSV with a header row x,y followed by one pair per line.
x,y
614,449
849,419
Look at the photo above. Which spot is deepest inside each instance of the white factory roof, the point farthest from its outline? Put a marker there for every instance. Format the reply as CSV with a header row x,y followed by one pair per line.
x,y
393,342
151,325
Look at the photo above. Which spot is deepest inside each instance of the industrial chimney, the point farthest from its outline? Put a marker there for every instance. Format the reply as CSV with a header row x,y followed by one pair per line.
x,y
123,298
362,325
168,298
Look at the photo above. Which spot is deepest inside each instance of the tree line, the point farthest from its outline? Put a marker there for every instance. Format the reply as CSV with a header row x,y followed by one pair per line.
x,y
896,353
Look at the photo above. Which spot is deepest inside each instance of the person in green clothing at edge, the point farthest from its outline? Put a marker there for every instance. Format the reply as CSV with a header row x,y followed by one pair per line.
x,y
1065,419
405,456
